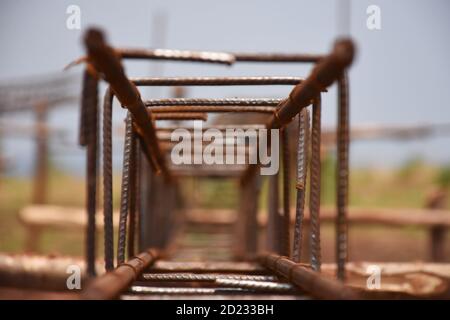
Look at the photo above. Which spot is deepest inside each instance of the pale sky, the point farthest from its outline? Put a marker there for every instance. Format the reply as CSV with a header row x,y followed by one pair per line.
x,y
401,74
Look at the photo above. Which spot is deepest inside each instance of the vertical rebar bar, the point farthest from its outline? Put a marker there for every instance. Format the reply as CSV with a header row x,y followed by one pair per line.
x,y
342,175
107,181
132,196
285,236
302,170
90,107
125,191
314,196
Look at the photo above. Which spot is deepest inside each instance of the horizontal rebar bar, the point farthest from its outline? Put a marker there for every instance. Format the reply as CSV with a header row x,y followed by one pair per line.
x,y
256,285
276,57
167,290
177,55
216,81
203,277
264,102
168,55
179,116
215,109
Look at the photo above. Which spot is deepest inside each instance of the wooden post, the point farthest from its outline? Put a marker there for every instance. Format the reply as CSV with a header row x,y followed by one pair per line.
x,y
40,182
437,200
246,228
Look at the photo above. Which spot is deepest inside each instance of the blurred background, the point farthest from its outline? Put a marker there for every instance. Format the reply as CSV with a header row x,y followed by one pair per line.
x,y
398,87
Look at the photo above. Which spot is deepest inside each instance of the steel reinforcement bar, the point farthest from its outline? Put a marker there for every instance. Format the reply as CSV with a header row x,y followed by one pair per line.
x,y
111,284
106,62
310,281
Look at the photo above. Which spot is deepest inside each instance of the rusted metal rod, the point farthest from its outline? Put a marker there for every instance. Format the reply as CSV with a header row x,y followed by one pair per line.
x,y
263,102
136,209
276,57
216,81
108,181
89,137
177,55
167,55
207,277
312,282
125,189
315,181
187,291
181,116
215,109
262,286
302,170
106,61
111,284
133,203
343,138
285,236
326,71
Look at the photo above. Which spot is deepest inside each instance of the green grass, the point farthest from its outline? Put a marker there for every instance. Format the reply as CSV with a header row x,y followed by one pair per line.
x,y
63,190
405,187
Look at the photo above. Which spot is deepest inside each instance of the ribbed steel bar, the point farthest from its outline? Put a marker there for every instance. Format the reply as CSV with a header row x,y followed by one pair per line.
x,y
261,286
285,236
139,193
125,190
167,55
216,109
326,71
314,195
107,181
105,60
133,190
276,57
302,170
111,284
82,128
203,277
343,140
189,291
180,116
216,81
311,282
90,110
177,55
263,102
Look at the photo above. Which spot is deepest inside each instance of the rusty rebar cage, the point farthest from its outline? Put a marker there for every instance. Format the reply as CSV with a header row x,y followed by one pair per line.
x,y
150,196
